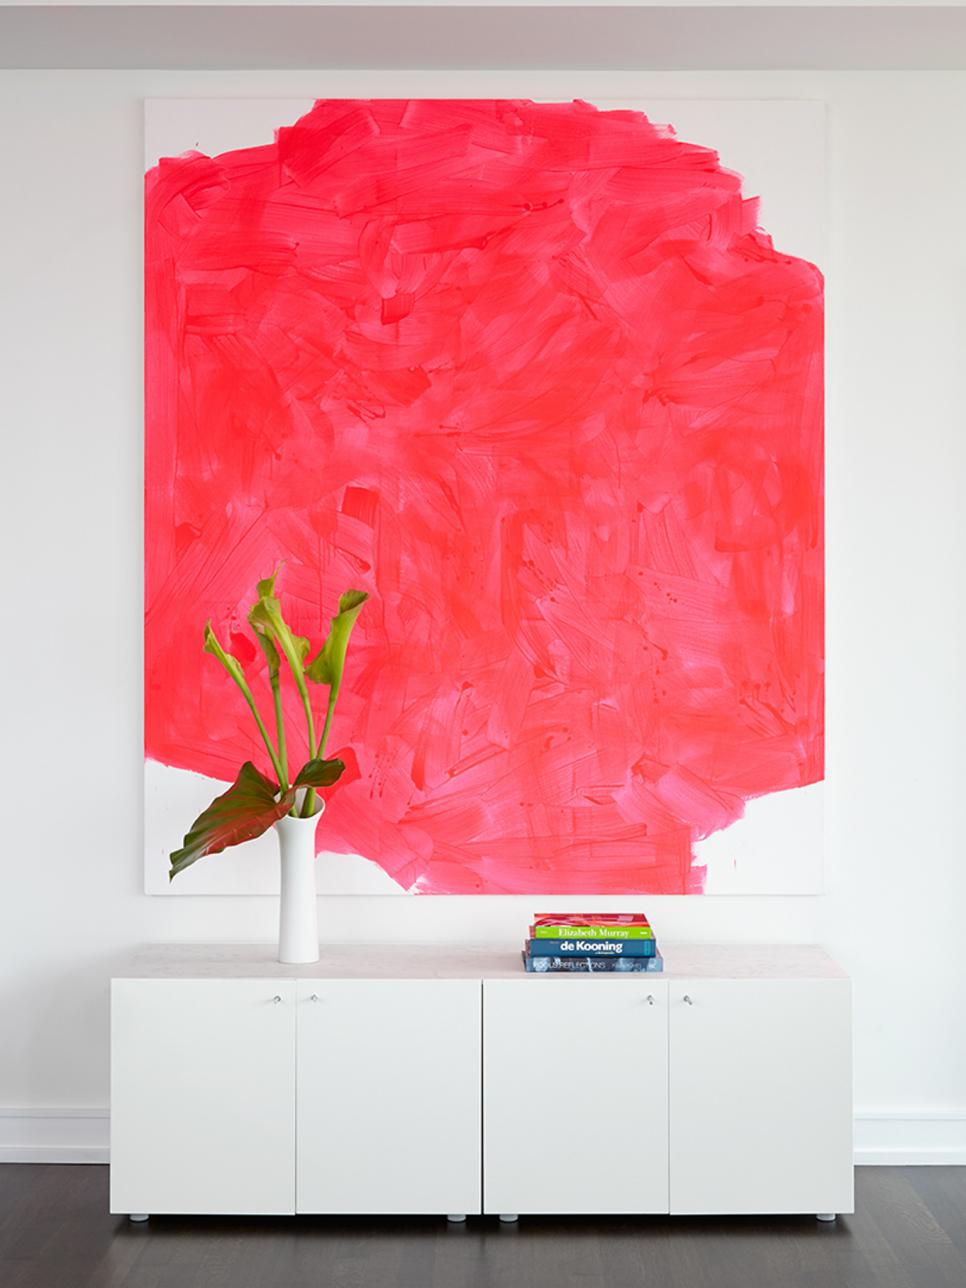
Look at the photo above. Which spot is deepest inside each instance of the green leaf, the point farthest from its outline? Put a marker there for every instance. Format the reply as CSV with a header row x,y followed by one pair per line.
x,y
328,664
247,809
320,773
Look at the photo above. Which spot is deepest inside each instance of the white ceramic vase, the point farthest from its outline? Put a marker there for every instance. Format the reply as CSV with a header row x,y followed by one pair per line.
x,y
298,912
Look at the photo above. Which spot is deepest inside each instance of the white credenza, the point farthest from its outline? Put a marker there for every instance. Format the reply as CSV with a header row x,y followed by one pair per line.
x,y
401,1080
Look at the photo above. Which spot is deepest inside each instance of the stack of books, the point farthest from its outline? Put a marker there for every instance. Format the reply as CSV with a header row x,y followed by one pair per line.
x,y
591,941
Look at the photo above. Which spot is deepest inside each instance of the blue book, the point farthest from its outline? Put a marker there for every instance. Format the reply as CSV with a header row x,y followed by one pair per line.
x,y
600,948
592,965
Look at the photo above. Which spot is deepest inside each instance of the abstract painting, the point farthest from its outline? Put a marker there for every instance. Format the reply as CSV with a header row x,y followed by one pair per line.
x,y
534,376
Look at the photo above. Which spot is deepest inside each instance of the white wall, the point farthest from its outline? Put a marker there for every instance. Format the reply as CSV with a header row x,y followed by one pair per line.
x,y
70,340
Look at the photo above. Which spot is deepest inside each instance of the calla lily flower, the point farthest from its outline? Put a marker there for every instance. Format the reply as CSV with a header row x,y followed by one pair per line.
x,y
328,664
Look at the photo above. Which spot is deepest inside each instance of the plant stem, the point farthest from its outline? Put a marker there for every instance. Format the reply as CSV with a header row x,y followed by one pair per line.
x,y
328,721
308,719
247,693
280,730
308,805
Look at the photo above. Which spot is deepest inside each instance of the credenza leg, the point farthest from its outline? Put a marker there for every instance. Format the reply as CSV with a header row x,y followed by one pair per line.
x,y
825,1216
508,1217
456,1217
139,1216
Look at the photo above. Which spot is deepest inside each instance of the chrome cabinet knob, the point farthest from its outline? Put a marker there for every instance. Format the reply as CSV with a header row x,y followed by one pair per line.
x,y
277,998
314,997
688,1000
650,999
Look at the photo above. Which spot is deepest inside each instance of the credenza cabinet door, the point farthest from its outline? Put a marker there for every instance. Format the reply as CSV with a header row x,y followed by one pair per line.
x,y
575,1114
389,1096
761,1096
203,1096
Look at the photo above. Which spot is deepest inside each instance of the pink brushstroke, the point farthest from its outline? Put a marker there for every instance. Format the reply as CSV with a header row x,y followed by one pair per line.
x,y
530,375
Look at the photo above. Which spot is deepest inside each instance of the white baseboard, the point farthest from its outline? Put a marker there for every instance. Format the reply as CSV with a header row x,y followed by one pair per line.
x,y
904,1137
54,1135
882,1137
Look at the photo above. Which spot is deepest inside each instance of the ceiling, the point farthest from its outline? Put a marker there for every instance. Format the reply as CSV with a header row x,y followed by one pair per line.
x,y
669,36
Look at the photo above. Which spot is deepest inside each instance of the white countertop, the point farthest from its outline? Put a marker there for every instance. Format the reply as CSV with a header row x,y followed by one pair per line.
x,y
471,961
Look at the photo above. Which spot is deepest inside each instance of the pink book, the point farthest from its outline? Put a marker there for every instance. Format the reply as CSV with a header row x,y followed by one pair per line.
x,y
590,919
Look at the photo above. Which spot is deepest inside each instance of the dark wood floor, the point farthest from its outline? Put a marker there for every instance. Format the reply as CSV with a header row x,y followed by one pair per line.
x,y
909,1231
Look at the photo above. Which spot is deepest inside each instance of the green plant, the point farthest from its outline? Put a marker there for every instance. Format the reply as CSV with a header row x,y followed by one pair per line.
x,y
254,801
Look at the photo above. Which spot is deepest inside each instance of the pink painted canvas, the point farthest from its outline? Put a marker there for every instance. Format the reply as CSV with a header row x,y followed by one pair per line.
x,y
534,377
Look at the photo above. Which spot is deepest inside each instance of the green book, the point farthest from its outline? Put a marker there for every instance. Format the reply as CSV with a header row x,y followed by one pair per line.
x,y
591,932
